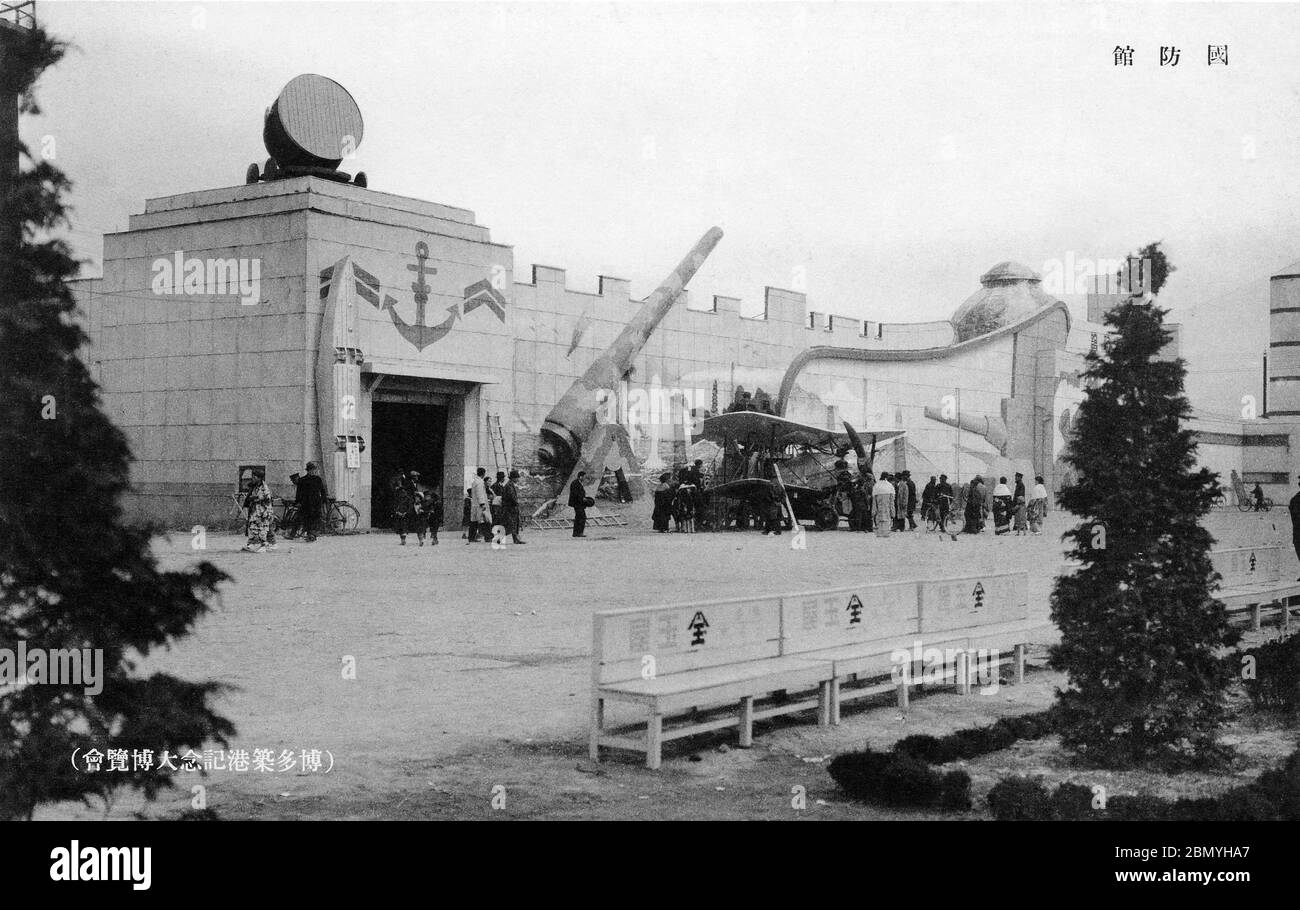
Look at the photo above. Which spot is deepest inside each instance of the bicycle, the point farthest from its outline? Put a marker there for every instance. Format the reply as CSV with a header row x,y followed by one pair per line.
x,y
932,514
338,516
1248,504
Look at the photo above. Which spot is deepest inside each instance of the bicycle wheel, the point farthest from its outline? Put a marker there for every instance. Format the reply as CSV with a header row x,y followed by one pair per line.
x,y
343,517
1268,503
1243,505
290,522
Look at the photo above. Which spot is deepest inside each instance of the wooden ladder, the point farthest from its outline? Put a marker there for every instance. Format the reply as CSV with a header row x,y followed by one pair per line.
x,y
498,440
597,521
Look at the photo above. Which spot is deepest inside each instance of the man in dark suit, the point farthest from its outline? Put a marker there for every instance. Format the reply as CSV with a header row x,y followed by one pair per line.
x,y
311,500
775,512
578,502
510,508
911,500
496,490
943,496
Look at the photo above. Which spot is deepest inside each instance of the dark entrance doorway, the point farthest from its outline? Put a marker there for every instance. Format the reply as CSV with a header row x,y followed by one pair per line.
x,y
405,436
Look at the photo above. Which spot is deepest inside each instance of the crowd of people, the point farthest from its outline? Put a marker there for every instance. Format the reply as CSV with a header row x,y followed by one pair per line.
x,y
679,500
890,503
882,505
489,505
310,500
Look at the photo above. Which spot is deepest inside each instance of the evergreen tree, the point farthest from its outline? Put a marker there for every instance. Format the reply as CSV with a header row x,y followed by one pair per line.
x,y
1142,640
72,574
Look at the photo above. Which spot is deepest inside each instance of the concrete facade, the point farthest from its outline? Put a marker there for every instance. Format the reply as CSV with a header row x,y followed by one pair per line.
x,y
365,300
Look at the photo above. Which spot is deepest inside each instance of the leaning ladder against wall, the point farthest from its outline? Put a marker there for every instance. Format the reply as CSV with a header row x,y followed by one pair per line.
x,y
498,440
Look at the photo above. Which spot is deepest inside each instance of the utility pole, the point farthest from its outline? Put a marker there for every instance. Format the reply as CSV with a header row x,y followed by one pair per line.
x,y
958,391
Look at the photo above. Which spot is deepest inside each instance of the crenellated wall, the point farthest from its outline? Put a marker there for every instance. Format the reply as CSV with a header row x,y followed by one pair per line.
x,y
419,304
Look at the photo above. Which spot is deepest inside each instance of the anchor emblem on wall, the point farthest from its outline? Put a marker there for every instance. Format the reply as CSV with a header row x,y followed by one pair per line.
x,y
419,335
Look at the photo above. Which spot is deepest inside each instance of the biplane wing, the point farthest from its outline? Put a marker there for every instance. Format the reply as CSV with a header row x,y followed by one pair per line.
x,y
747,486
757,428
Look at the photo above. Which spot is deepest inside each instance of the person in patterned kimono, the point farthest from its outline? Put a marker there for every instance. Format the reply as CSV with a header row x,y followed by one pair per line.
x,y
261,517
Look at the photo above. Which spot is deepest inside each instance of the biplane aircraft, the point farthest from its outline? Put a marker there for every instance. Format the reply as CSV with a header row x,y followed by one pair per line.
x,y
760,451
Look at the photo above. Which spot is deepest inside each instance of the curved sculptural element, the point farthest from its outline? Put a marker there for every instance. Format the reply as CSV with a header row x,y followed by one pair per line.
x,y
575,416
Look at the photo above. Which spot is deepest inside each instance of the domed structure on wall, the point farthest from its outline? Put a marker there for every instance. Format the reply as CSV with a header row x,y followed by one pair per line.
x,y
1009,293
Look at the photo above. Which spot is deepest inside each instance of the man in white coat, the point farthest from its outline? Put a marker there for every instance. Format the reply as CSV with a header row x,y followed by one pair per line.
x,y
882,496
1037,506
480,509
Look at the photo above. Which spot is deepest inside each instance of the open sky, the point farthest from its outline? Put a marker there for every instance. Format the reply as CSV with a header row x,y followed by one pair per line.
x,y
878,156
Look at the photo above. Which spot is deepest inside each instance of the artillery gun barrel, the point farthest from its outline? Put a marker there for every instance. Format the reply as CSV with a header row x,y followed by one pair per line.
x,y
576,414
994,429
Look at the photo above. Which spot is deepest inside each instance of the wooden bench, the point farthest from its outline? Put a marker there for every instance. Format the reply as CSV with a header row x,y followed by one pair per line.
x,y
856,628
672,660
957,615
990,612
725,656
1250,582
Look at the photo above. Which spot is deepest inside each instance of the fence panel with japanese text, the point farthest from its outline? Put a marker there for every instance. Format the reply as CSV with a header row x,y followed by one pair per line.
x,y
975,600
671,639
844,616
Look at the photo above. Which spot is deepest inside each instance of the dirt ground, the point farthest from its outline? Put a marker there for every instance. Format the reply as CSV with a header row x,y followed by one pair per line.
x,y
472,674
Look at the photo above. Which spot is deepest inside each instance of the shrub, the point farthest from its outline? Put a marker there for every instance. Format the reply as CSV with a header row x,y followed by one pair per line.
x,y
1274,684
972,742
927,748
1019,799
1275,796
1072,802
858,773
1281,787
967,744
1029,726
955,795
892,779
903,776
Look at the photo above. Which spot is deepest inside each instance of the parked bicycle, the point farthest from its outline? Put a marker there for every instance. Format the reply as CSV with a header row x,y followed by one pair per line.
x,y
338,516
